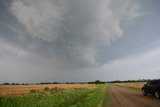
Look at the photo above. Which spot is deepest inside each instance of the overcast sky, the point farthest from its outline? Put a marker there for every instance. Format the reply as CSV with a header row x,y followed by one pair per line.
x,y
79,40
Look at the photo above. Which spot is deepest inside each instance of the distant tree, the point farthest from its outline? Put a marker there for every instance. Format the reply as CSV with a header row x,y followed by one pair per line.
x,y
6,83
96,82
15,84
55,83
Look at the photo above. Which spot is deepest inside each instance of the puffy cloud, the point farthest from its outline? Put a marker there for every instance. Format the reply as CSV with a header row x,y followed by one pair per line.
x,y
40,18
72,31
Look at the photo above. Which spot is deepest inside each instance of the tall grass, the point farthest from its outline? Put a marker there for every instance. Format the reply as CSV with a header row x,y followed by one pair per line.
x,y
66,98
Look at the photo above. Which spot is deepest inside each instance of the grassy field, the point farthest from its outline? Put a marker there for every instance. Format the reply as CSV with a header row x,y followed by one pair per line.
x,y
55,97
137,85
19,89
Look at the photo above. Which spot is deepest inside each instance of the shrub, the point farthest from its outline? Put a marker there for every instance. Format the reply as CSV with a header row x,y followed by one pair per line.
x,y
46,89
33,91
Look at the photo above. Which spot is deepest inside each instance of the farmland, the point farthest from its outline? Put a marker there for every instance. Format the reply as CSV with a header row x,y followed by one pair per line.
x,y
136,85
76,95
19,89
59,95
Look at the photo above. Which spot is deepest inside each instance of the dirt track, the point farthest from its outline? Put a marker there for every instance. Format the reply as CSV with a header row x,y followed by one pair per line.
x,y
124,97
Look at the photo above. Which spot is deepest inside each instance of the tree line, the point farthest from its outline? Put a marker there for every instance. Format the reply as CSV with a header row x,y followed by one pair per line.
x,y
90,82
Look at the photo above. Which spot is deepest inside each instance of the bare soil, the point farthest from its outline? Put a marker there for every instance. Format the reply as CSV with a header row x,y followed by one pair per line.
x,y
125,97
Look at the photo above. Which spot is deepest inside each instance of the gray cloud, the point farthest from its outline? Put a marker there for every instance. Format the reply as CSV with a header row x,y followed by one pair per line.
x,y
72,31
68,39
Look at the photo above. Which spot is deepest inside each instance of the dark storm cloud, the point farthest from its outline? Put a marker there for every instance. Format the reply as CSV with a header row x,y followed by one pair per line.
x,y
54,38
69,31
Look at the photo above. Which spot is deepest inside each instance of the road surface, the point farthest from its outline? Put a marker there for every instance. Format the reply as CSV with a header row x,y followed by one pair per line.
x,y
125,97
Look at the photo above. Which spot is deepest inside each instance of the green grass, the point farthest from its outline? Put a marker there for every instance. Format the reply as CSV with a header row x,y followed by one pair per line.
x,y
65,98
106,102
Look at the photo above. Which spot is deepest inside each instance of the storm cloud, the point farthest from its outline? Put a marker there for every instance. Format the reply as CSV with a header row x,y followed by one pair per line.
x,y
56,37
71,31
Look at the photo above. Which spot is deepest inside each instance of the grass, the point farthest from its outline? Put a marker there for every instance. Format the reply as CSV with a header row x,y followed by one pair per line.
x,y
80,97
136,85
106,102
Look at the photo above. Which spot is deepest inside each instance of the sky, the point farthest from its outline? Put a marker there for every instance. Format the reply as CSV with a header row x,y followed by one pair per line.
x,y
79,40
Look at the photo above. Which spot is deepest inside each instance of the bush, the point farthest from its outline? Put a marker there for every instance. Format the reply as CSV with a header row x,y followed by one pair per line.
x,y
53,90
33,91
46,89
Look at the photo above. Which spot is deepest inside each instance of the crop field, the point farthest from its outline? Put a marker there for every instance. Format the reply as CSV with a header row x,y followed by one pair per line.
x,y
59,95
19,89
137,85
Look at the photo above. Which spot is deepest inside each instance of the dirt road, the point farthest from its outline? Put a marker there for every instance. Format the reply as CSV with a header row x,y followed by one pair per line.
x,y
124,97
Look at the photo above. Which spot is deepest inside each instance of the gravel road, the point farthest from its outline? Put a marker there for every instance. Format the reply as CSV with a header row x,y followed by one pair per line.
x,y
125,97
